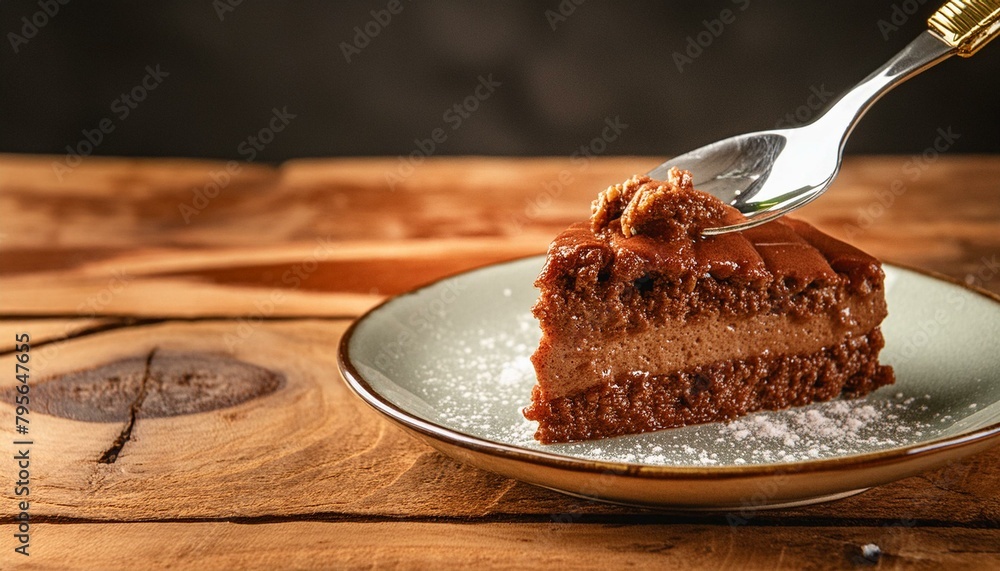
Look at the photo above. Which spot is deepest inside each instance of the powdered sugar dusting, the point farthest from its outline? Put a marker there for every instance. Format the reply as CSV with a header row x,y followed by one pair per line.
x,y
822,430
479,384
462,361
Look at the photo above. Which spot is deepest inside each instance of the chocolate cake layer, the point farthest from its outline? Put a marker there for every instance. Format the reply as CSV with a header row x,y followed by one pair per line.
x,y
771,268
642,402
638,309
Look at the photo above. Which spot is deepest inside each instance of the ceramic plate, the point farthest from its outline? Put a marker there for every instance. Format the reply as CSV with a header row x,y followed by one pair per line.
x,y
449,363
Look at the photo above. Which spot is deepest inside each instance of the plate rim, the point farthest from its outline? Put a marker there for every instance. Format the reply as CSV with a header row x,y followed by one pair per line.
x,y
360,387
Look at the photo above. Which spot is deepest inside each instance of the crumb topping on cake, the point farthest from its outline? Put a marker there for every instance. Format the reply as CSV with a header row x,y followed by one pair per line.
x,y
670,209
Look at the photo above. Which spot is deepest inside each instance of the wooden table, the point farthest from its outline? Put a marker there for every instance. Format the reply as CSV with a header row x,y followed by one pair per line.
x,y
189,284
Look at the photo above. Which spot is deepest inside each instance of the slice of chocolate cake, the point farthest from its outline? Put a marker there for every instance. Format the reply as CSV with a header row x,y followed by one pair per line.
x,y
648,324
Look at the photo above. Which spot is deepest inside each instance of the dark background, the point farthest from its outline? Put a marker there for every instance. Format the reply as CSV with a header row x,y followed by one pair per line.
x,y
607,59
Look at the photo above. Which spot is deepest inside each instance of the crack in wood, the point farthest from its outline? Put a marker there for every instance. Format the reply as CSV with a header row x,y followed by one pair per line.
x,y
944,488
123,323
820,521
111,454
14,316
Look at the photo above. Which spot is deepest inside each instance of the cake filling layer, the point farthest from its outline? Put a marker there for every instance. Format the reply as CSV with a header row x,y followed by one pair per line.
x,y
573,363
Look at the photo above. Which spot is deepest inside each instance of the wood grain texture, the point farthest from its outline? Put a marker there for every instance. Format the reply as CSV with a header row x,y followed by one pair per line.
x,y
420,546
308,448
332,238
106,268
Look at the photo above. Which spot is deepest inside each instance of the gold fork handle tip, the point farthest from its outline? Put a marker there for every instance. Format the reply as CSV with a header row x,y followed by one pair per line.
x,y
967,25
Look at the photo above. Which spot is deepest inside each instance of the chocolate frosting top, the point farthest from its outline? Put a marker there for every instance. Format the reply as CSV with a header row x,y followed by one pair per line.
x,y
650,225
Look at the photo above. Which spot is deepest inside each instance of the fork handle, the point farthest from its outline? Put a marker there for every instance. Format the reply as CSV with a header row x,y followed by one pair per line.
x,y
966,25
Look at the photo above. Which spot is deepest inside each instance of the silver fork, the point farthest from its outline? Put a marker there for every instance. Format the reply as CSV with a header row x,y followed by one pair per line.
x,y
768,174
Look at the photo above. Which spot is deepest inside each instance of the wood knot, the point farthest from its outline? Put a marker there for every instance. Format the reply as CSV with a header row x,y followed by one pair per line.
x,y
153,386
